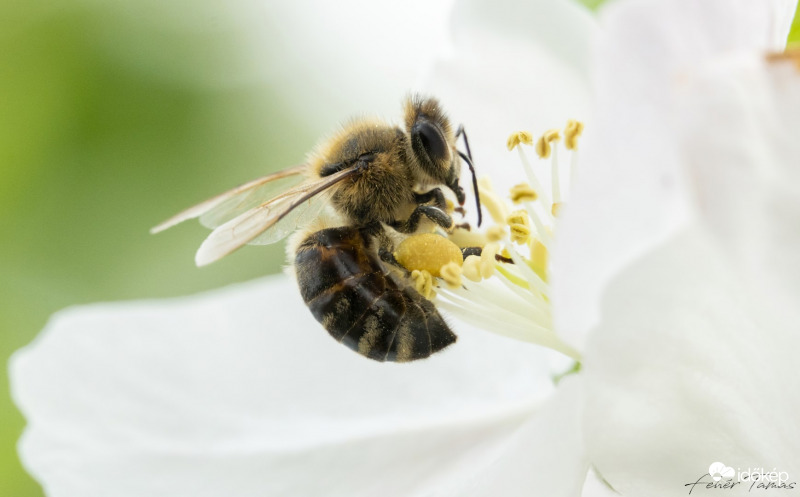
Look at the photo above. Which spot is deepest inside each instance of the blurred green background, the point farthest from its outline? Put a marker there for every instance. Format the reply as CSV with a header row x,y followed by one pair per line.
x,y
113,117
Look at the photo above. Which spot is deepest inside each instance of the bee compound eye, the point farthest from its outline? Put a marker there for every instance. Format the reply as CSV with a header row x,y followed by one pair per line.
x,y
431,139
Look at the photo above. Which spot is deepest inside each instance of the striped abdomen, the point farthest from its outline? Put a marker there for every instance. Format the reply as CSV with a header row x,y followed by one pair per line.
x,y
361,304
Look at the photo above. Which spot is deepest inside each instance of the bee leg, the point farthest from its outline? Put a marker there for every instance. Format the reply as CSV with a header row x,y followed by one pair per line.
x,y
456,188
434,195
435,214
388,257
376,233
468,251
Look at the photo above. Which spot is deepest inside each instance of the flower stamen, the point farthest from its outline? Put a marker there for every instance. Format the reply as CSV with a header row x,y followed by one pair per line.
x,y
451,274
519,305
495,206
423,283
550,137
532,179
572,132
523,192
519,226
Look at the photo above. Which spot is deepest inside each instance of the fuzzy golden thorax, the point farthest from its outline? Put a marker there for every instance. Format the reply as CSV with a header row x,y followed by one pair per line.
x,y
384,190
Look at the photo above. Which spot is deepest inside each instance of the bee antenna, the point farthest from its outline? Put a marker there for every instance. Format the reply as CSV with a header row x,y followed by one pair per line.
x,y
468,159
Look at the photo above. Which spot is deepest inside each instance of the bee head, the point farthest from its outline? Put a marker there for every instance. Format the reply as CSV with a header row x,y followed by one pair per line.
x,y
432,140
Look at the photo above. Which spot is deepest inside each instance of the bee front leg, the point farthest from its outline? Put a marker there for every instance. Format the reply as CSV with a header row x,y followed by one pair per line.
x,y
434,195
411,224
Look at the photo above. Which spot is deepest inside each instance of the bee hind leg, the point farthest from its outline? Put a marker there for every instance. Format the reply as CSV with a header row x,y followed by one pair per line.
x,y
388,257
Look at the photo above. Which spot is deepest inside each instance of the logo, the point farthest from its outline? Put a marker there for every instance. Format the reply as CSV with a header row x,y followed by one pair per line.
x,y
722,477
719,471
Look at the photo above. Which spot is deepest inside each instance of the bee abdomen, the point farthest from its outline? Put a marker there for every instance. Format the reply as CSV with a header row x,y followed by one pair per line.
x,y
363,306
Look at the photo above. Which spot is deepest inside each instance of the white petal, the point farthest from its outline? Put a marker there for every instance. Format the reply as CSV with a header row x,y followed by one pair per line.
x,y
689,367
740,122
632,191
513,66
240,392
596,487
544,456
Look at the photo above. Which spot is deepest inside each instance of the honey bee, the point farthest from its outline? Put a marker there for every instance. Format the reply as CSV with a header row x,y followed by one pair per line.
x,y
364,188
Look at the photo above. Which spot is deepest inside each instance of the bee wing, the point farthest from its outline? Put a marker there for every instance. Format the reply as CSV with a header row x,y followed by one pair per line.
x,y
270,221
226,206
300,216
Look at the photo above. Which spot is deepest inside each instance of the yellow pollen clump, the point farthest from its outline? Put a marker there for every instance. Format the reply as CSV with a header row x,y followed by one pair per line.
x,y
555,209
487,265
427,252
520,226
519,137
571,133
495,233
450,207
451,274
471,269
423,283
523,193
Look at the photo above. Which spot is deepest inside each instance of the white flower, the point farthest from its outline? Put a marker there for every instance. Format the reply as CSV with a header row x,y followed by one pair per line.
x,y
677,251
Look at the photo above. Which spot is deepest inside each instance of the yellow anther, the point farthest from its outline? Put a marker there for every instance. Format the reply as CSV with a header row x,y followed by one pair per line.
x,y
523,193
552,135
573,130
543,148
519,137
520,233
555,209
487,264
519,217
428,252
495,233
423,283
519,226
543,144
451,274
471,269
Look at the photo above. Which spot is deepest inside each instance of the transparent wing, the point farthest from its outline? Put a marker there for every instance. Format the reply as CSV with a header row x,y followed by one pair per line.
x,y
270,221
300,216
220,209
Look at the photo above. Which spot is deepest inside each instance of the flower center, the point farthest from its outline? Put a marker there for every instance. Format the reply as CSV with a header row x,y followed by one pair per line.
x,y
505,289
